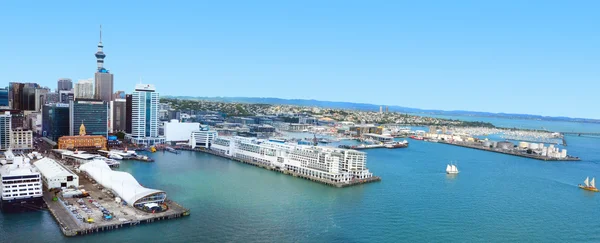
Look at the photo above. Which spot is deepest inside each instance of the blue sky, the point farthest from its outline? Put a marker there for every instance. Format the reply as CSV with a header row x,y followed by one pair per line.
x,y
535,57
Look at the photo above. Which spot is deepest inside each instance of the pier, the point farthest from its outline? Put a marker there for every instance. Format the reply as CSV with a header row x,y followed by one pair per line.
x,y
287,172
123,215
524,155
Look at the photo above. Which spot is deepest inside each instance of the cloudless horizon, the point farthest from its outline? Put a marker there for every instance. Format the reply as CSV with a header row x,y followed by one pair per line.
x,y
534,57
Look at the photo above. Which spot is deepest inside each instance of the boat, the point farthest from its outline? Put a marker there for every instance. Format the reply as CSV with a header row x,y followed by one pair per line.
x,y
451,169
416,137
277,140
17,172
115,156
322,140
397,144
152,149
589,185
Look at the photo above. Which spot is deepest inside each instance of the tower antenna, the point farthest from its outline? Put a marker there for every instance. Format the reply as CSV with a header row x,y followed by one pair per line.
x,y
100,33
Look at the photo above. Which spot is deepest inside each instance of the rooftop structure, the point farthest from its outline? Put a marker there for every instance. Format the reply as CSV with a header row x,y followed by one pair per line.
x,y
56,175
123,184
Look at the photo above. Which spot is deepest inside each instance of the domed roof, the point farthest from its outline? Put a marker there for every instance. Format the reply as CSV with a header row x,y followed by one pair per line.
x,y
100,54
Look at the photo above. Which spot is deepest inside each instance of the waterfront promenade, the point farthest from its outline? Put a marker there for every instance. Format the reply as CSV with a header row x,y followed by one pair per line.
x,y
284,171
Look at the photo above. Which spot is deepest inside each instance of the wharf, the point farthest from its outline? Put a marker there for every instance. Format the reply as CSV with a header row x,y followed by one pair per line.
x,y
530,156
287,172
123,215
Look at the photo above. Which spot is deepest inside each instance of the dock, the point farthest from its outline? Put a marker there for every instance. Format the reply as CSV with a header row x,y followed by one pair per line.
x,y
287,172
62,209
524,155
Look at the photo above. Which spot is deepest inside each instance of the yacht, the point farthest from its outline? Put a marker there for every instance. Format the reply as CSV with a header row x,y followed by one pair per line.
x,y
20,184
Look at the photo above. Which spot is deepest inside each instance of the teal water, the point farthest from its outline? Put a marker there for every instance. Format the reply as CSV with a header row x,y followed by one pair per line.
x,y
495,198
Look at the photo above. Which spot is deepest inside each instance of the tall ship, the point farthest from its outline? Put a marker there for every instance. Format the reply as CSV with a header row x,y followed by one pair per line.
x,y
589,185
451,169
20,184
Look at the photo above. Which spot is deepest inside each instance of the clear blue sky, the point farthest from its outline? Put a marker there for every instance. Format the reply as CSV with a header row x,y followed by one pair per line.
x,y
535,57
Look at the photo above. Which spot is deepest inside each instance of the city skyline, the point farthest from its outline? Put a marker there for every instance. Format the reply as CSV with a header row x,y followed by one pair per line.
x,y
448,57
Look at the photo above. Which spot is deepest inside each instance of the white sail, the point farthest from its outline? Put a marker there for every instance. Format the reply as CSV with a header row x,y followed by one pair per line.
x,y
454,169
586,182
448,168
593,182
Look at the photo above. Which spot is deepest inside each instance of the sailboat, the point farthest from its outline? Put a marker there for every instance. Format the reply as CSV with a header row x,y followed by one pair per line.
x,y
589,185
451,169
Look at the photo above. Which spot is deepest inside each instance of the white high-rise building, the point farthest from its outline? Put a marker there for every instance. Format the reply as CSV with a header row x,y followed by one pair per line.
x,y
5,130
84,88
144,115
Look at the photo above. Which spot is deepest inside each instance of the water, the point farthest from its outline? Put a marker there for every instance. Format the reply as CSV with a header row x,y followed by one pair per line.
x,y
495,198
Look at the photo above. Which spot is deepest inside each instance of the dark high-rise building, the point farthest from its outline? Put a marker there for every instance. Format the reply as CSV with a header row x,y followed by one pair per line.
x,y
4,97
55,121
92,113
118,111
128,113
22,95
103,88
65,84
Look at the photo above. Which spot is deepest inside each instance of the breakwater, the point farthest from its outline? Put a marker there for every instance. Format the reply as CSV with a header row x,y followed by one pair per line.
x,y
284,171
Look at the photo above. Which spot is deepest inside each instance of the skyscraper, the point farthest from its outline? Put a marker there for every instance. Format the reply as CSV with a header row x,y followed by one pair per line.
x,y
40,98
55,121
65,84
84,89
144,123
118,114
128,112
104,79
5,130
22,96
4,97
66,96
92,113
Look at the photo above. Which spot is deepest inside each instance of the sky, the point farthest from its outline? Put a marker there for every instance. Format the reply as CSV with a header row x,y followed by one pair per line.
x,y
530,57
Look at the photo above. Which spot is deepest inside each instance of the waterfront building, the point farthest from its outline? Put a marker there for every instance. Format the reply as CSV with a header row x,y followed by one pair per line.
x,y
4,101
202,138
144,123
84,89
65,84
297,127
92,113
21,140
128,113
118,115
19,184
379,137
55,121
5,130
326,163
66,96
56,175
123,185
82,142
179,131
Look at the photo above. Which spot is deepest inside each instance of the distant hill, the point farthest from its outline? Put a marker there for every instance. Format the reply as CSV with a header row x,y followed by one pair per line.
x,y
372,107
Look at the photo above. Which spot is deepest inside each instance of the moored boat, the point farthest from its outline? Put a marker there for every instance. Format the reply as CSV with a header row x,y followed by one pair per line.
x,y
589,185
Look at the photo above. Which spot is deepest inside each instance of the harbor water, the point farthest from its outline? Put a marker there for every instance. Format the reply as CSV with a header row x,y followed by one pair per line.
x,y
495,198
